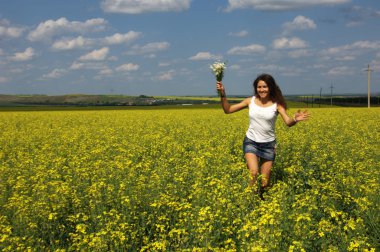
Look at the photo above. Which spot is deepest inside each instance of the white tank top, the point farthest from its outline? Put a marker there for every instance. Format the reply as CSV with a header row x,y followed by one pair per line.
x,y
262,121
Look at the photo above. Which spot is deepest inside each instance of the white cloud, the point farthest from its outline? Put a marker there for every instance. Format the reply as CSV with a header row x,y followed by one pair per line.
x,y
298,53
318,66
375,65
285,70
247,50
26,55
118,38
166,75
56,73
106,71
290,71
77,65
164,64
128,67
3,79
239,34
341,71
81,42
149,48
266,67
348,52
72,43
289,43
276,5
351,24
205,56
50,28
358,15
8,31
375,45
299,23
88,65
142,6
346,58
96,55
235,67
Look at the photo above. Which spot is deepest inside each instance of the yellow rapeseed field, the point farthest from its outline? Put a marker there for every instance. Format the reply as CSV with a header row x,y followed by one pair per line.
x,y
175,180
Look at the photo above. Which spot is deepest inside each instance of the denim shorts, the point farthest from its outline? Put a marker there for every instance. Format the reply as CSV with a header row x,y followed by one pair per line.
x,y
264,150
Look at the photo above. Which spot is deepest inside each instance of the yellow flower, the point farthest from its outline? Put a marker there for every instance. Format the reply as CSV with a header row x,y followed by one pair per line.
x,y
81,228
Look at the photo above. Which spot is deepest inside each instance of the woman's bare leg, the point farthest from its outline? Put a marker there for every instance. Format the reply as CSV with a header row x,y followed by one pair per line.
x,y
253,167
266,167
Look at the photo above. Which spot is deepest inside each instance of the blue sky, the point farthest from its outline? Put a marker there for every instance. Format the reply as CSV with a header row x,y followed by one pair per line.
x,y
165,47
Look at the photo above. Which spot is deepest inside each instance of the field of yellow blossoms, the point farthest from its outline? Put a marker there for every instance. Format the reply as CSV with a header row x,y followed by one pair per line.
x,y
175,180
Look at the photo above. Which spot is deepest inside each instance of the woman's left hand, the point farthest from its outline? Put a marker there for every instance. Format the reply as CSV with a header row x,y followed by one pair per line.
x,y
301,115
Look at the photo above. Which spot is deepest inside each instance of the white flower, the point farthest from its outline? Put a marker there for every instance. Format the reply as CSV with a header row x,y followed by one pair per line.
x,y
218,69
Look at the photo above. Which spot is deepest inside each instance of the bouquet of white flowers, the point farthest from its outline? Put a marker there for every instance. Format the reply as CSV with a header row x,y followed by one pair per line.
x,y
218,70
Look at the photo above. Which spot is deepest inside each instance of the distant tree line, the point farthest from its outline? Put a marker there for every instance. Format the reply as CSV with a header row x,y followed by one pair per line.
x,y
96,100
344,101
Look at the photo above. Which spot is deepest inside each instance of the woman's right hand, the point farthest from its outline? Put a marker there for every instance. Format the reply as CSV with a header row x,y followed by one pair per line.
x,y
220,88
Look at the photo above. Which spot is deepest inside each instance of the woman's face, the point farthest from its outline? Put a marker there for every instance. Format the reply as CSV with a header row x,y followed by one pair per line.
x,y
262,89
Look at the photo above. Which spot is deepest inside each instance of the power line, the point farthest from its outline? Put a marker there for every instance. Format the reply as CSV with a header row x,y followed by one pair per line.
x,y
369,70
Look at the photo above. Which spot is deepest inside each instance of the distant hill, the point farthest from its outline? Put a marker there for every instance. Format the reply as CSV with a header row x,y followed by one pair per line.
x,y
99,100
143,100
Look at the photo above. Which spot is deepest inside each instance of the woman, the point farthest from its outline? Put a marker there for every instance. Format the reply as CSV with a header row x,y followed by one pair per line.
x,y
260,141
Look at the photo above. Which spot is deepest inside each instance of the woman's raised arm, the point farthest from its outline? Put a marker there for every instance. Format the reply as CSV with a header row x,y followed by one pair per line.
x,y
289,121
227,107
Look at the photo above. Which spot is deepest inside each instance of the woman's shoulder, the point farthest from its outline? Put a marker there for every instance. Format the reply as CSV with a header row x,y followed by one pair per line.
x,y
280,107
248,100
244,103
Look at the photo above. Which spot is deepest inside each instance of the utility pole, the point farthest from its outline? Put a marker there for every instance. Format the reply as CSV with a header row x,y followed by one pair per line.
x,y
320,97
331,87
369,70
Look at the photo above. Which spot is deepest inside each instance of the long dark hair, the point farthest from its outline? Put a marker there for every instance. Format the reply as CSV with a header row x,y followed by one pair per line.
x,y
275,93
